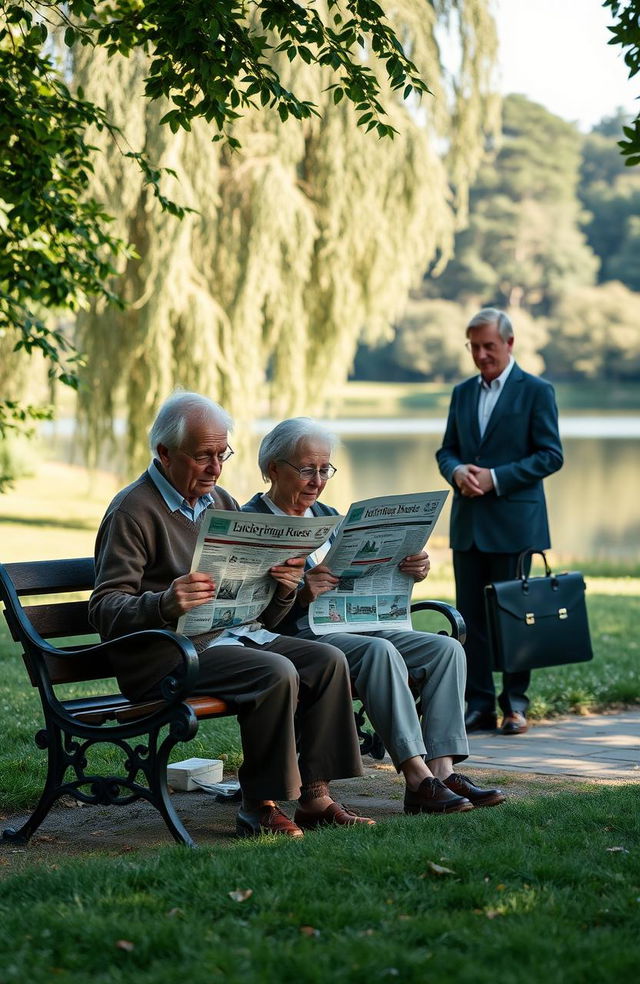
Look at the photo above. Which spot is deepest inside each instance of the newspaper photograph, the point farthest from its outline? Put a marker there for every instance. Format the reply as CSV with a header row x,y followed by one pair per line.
x,y
237,549
374,537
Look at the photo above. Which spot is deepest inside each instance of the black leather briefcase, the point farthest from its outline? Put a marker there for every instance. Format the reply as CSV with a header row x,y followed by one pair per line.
x,y
537,621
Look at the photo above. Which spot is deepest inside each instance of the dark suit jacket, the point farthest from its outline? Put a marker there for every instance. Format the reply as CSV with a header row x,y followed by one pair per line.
x,y
522,444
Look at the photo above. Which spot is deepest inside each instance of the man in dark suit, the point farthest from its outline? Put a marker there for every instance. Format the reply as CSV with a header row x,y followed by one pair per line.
x,y
501,441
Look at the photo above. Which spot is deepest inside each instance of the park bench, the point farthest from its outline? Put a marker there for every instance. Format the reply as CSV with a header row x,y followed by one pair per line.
x,y
144,733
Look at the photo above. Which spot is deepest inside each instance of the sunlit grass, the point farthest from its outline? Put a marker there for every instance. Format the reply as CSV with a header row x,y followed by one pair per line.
x,y
545,888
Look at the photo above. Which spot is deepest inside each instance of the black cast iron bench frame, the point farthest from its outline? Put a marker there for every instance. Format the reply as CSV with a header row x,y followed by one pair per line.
x,y
145,732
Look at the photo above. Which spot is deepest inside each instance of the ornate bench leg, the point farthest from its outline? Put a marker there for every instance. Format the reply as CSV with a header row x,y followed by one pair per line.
x,y
52,741
157,778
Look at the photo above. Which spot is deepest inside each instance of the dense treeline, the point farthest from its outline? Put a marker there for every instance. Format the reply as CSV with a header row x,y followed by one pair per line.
x,y
554,237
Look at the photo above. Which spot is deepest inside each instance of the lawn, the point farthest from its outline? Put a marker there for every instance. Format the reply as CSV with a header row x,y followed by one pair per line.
x,y
543,889
35,523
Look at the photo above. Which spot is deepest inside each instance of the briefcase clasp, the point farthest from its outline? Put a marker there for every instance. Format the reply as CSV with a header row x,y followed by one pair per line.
x,y
529,618
562,613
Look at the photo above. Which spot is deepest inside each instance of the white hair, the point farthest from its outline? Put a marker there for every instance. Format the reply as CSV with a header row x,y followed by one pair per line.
x,y
282,442
170,425
493,316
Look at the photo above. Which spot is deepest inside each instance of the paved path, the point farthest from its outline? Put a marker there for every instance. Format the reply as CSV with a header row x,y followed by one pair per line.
x,y
596,746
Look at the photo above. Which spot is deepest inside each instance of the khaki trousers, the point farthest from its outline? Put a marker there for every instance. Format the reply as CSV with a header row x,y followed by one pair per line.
x,y
380,664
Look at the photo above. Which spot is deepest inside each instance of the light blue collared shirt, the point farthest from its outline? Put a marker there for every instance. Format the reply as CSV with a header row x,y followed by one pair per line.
x,y
489,396
177,503
173,499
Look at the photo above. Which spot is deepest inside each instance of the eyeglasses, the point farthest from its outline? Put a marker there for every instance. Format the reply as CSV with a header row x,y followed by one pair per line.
x,y
325,472
475,346
208,458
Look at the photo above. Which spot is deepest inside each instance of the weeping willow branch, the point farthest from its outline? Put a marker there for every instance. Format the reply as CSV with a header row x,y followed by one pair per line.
x,y
306,239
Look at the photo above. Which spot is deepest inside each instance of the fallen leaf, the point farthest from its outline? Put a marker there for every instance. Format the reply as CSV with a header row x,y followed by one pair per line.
x,y
45,839
176,911
125,945
71,802
619,850
241,894
309,931
438,869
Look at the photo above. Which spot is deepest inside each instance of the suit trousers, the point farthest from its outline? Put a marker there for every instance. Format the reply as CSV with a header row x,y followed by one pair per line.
x,y
473,569
381,664
283,691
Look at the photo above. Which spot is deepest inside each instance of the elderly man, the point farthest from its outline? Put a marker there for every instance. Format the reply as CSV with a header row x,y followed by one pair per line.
x,y
500,442
295,458
143,554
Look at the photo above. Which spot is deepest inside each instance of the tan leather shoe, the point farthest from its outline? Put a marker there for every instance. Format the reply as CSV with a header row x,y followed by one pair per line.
x,y
335,815
268,820
514,724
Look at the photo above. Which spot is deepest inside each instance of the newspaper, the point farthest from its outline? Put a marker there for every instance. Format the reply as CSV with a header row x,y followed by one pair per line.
x,y
237,549
374,537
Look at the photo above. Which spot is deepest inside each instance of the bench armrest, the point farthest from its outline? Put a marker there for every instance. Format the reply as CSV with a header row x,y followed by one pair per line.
x,y
452,615
95,659
175,686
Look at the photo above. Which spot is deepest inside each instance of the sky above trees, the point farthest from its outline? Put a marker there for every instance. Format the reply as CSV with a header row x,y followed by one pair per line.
x,y
556,53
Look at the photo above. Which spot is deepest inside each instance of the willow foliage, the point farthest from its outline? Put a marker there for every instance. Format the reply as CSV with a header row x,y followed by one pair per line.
x,y
306,239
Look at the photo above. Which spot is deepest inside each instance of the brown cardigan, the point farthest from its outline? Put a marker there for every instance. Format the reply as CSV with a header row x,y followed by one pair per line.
x,y
141,547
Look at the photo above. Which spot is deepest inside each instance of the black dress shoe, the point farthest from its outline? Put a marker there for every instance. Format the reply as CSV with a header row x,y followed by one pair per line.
x,y
514,724
463,786
480,721
432,796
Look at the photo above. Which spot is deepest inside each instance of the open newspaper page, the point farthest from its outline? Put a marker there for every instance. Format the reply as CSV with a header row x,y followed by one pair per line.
x,y
237,549
374,537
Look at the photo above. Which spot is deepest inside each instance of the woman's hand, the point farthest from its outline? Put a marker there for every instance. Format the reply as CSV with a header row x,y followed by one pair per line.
x,y
416,566
185,593
288,576
316,581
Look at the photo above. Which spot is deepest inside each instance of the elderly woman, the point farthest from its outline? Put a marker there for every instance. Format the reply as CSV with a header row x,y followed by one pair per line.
x,y
295,458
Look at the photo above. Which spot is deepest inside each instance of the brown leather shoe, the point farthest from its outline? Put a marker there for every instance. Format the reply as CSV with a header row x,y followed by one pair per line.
x,y
335,815
514,724
268,820
432,796
463,786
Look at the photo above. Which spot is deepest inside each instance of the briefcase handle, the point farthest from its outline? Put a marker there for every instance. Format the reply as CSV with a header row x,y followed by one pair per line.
x,y
522,559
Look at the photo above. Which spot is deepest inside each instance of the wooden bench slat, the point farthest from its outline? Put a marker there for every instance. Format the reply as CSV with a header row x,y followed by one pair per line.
x,y
35,577
118,708
62,618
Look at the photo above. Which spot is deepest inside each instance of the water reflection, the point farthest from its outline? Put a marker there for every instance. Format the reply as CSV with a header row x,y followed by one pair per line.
x,y
593,501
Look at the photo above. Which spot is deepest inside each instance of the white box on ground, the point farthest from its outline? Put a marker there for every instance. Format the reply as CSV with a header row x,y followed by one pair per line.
x,y
181,775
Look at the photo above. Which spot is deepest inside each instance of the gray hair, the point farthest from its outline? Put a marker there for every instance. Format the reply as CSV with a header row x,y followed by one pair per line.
x,y
282,442
493,316
170,425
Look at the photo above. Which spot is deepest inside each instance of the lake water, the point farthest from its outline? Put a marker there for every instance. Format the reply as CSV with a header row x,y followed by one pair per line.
x,y
594,500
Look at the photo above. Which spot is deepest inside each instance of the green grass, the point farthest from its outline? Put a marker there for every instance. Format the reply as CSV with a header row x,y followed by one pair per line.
x,y
543,889
610,679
